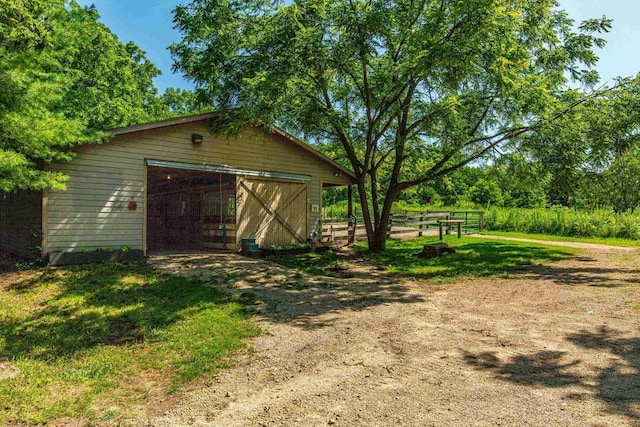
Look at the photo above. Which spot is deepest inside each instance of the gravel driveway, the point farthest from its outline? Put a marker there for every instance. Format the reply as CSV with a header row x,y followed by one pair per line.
x,y
557,344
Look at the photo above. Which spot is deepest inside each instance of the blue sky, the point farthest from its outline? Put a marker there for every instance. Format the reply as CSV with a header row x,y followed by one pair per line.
x,y
149,25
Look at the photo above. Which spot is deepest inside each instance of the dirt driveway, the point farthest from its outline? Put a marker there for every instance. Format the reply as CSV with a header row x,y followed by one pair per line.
x,y
558,344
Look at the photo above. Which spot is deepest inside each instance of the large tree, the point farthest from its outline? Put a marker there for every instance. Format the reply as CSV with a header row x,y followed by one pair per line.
x,y
418,88
64,78
579,148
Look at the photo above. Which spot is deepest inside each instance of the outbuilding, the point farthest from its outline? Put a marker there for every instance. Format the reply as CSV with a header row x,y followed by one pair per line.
x,y
171,186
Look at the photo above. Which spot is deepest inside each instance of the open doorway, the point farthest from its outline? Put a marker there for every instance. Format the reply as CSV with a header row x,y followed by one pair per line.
x,y
190,209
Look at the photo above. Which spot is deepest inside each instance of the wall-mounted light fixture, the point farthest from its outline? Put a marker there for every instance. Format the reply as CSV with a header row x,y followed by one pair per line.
x,y
337,174
196,139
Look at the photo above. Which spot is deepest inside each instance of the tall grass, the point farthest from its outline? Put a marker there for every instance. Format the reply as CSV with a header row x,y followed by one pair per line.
x,y
564,221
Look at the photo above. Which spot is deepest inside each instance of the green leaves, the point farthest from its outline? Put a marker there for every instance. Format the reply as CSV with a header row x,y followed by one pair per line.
x,y
65,79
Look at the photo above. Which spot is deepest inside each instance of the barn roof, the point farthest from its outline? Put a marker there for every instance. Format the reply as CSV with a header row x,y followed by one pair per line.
x,y
206,116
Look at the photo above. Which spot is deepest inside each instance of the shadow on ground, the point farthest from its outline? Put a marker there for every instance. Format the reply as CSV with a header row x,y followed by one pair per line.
x,y
530,261
286,295
303,288
584,275
617,384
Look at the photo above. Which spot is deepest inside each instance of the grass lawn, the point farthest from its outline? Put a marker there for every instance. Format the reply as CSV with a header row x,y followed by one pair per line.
x,y
94,342
610,241
473,257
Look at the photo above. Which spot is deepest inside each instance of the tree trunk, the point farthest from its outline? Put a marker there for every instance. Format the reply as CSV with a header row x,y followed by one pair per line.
x,y
366,213
378,241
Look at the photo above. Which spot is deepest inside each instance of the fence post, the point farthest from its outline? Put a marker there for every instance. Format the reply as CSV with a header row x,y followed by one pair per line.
x,y
420,219
353,223
466,222
481,221
389,226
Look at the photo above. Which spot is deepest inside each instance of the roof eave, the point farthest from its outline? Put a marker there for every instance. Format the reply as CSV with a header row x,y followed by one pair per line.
x,y
161,123
207,116
313,151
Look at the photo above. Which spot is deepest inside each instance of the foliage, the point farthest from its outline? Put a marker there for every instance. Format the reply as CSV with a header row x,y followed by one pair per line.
x,y
473,257
86,338
33,127
485,193
180,102
563,221
291,246
577,150
622,182
408,91
65,78
112,81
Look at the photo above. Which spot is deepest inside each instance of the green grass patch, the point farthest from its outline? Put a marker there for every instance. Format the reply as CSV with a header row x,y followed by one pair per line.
x,y
473,257
634,306
610,241
90,341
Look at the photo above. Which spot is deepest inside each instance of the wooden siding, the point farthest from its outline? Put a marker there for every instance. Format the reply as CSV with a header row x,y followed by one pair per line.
x,y
272,212
21,221
103,178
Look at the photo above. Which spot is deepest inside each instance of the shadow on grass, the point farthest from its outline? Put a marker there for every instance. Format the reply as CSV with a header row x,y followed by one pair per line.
x,y
616,385
357,280
473,257
99,305
478,258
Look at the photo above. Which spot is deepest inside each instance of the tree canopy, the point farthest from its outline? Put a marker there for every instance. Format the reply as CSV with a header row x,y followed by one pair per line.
x,y
416,89
582,149
64,79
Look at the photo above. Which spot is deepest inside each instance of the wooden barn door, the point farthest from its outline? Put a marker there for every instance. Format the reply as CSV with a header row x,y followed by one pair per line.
x,y
272,212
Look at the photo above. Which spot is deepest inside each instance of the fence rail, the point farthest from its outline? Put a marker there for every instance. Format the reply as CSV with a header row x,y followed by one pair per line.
x,y
402,224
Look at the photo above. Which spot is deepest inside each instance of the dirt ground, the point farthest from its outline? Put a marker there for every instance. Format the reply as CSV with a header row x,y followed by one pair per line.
x,y
557,344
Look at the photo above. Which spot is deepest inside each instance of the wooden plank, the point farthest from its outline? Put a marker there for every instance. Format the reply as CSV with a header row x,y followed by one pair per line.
x,y
214,226
63,228
216,245
279,209
273,212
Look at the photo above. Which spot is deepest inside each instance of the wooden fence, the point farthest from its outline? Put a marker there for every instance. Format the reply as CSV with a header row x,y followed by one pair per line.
x,y
402,225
